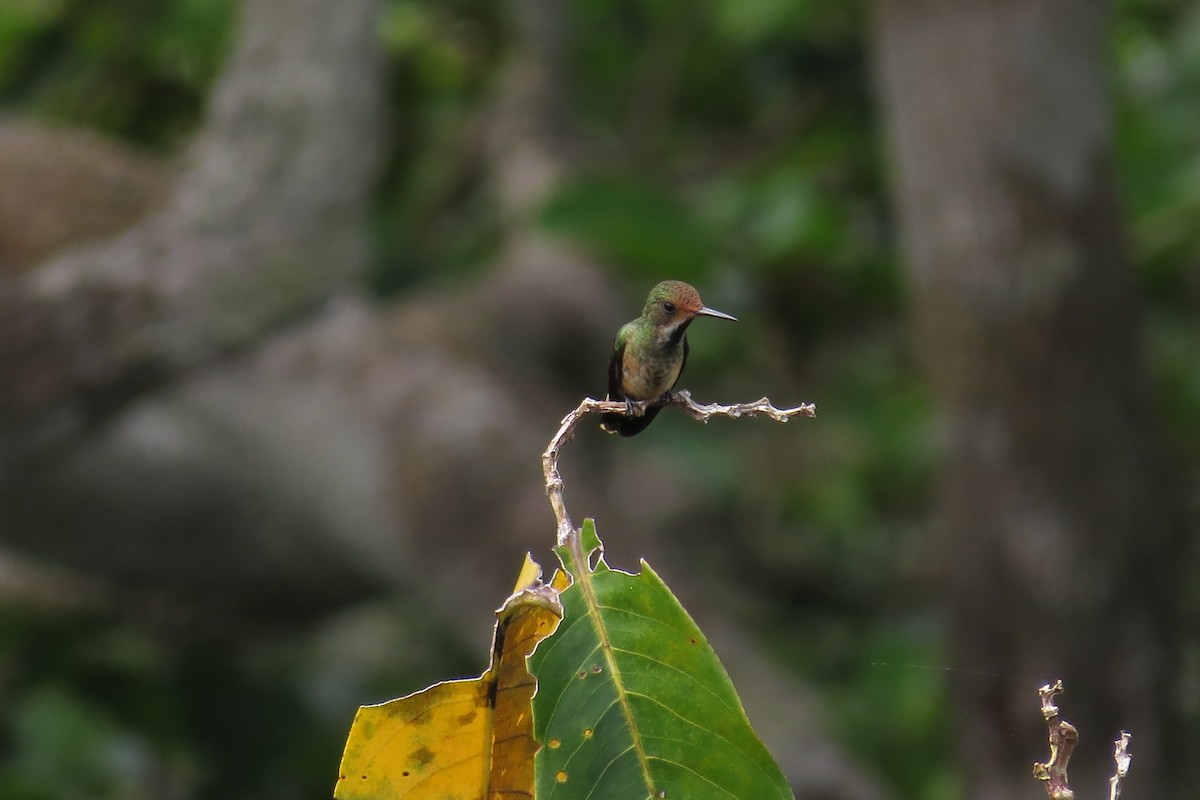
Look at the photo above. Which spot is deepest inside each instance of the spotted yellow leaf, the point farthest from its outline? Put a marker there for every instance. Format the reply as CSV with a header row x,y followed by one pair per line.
x,y
459,740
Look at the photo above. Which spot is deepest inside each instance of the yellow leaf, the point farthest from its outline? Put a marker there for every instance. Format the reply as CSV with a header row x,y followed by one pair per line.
x,y
528,577
459,740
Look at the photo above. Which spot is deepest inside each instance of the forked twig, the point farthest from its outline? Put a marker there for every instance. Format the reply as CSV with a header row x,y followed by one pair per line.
x,y
1063,738
701,412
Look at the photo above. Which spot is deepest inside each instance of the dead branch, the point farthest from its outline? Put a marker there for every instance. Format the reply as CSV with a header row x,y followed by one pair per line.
x,y
1122,757
1063,738
701,412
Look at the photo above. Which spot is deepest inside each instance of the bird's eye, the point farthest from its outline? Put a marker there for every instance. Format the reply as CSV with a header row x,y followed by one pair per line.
x,y
668,307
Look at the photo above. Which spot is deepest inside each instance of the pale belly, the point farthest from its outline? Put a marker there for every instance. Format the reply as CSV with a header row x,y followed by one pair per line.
x,y
648,380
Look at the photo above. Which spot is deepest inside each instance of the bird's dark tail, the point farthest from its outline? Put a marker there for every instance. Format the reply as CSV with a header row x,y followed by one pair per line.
x,y
628,426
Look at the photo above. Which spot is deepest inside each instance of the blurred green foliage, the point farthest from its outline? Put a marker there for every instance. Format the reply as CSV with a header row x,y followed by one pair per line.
x,y
735,146
138,69
1157,43
434,216
629,224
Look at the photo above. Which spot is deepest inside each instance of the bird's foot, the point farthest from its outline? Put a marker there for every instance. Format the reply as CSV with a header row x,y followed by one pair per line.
x,y
671,396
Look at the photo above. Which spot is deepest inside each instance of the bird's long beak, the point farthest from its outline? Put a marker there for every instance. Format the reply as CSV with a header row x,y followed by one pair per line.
x,y
705,311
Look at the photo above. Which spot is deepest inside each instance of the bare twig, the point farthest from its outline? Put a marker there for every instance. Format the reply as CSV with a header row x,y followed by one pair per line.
x,y
1122,757
702,412
698,411
1063,738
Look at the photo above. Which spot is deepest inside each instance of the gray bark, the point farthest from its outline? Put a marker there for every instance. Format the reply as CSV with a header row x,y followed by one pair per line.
x,y
264,224
1057,545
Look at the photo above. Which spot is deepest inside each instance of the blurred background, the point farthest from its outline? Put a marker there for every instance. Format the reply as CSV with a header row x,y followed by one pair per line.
x,y
293,295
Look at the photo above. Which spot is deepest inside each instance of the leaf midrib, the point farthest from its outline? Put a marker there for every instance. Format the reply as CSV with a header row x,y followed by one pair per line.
x,y
584,576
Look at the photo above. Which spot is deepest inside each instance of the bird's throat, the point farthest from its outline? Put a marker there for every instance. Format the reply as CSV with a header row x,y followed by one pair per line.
x,y
673,339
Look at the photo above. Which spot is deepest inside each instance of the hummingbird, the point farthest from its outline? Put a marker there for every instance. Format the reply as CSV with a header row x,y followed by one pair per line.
x,y
651,351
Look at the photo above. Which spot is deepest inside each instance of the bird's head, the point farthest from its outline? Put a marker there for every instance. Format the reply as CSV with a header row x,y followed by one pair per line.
x,y
673,302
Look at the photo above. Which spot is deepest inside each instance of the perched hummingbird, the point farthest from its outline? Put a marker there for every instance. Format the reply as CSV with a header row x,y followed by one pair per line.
x,y
651,352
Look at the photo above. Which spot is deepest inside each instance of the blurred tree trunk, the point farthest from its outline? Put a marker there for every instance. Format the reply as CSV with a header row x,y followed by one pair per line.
x,y
265,222
1057,540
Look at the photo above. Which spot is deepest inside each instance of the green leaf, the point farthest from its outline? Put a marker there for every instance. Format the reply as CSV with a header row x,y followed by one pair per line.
x,y
632,701
631,223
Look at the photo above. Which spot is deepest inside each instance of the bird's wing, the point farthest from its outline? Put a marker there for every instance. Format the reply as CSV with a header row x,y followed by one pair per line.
x,y
614,368
682,364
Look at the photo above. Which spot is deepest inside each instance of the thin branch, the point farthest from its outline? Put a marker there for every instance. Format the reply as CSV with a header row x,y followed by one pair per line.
x,y
1063,738
1122,757
701,412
